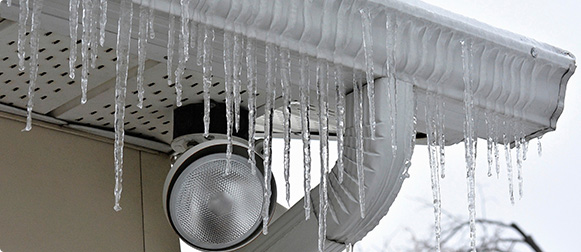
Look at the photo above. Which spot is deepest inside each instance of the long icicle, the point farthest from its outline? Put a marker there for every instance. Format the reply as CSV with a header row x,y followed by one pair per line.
x,y
179,72
391,28
432,139
170,45
193,36
305,130
238,54
123,44
285,67
141,52
151,19
412,139
368,50
183,49
22,20
85,43
207,56
185,28
228,65
102,21
94,40
251,91
495,145
440,129
73,33
518,145
519,159
489,143
201,39
469,135
508,156
340,118
268,114
34,46
358,99
322,90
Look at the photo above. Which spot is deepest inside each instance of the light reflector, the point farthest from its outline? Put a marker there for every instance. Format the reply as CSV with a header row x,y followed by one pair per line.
x,y
212,210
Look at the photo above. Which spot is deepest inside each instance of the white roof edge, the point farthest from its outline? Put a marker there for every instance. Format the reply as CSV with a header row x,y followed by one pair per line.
x,y
476,28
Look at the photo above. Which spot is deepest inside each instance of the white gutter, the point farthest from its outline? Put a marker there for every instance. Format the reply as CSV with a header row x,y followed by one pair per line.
x,y
428,52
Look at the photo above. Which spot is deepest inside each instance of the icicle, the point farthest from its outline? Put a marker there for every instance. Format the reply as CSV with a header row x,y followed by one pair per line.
x,y
201,40
285,67
495,145
469,134
193,35
525,145
323,206
412,126
472,209
183,49
179,72
102,21
306,135
35,20
151,19
358,99
141,52
348,247
517,142
251,91
440,127
268,113
185,18
368,49
85,43
508,156
340,118
123,44
489,142
322,90
539,146
22,19
207,55
170,45
228,55
391,27
236,81
73,32
432,140
94,38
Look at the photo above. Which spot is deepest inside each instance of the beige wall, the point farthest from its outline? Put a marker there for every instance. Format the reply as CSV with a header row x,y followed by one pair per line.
x,y
56,194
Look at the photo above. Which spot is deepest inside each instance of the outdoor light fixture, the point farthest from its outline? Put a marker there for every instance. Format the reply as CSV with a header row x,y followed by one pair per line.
x,y
209,208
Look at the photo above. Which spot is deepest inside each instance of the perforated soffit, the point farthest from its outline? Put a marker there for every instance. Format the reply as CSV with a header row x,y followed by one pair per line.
x,y
58,96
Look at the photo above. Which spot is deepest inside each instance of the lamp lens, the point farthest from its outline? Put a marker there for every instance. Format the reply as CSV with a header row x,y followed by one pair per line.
x,y
214,210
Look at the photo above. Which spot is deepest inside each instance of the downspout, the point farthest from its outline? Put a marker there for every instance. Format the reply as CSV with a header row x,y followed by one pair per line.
x,y
383,180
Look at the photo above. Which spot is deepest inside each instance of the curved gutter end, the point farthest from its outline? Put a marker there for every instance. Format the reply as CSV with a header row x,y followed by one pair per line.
x,y
383,180
561,98
383,169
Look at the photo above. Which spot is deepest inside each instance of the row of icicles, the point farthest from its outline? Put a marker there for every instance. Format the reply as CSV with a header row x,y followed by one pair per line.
x,y
240,51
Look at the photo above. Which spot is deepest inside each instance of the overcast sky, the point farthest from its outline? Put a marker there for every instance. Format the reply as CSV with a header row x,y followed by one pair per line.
x,y
550,208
